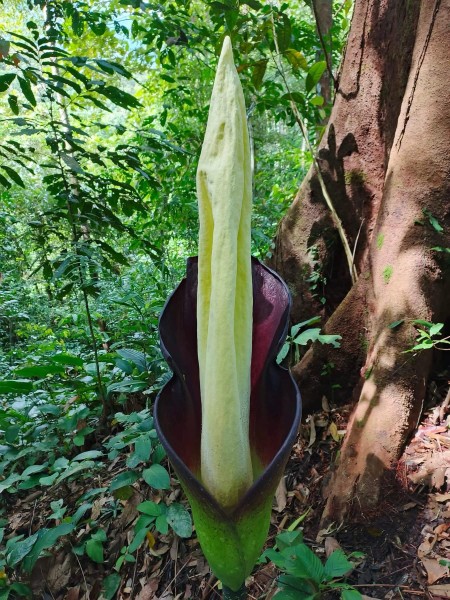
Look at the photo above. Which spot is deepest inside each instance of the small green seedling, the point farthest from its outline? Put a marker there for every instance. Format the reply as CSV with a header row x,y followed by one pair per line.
x,y
304,576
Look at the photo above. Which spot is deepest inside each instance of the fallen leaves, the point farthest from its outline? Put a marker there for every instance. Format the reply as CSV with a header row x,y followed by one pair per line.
x,y
435,570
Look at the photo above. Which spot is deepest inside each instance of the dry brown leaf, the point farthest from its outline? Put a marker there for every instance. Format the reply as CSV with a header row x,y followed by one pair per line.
x,y
409,505
58,576
331,544
441,529
130,512
441,497
73,593
426,546
174,549
281,495
433,471
312,430
440,591
434,570
149,590
160,551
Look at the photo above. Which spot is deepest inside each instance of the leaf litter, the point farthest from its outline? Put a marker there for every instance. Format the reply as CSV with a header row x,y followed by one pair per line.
x,y
406,547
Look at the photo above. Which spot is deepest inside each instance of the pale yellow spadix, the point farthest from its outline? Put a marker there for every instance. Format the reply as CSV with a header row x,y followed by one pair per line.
x,y
225,300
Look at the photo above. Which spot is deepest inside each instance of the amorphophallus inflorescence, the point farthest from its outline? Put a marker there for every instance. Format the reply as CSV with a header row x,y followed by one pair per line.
x,y
230,414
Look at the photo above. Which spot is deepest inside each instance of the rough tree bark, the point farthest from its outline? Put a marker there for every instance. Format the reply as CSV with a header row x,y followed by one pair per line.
x,y
386,160
323,14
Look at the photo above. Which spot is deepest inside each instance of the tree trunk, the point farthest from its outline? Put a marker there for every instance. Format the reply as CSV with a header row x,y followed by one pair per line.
x,y
386,161
323,14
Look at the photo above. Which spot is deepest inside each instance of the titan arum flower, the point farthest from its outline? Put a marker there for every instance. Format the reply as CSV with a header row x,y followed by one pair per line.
x,y
229,415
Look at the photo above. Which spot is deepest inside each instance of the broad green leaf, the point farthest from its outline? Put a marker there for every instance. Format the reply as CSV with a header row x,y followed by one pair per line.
x,y
142,449
72,163
34,469
49,480
314,75
337,565
9,481
74,469
137,540
423,323
118,97
179,519
302,562
161,524
67,359
94,549
134,356
435,328
22,590
6,80
13,104
309,335
13,386
97,28
39,371
88,455
80,512
296,59
441,249
26,90
123,479
296,328
150,508
12,433
127,386
157,477
21,549
111,585
317,101
124,366
46,539
284,33
287,539
5,182
292,595
99,535
259,71
333,340
351,594
13,175
283,352
113,67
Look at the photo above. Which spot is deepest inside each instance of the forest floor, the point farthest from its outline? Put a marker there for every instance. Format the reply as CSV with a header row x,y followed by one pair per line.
x,y
403,544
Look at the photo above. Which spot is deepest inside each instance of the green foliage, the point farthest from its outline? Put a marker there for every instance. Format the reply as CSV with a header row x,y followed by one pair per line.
x,y
429,335
298,338
303,574
103,109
